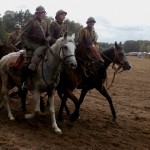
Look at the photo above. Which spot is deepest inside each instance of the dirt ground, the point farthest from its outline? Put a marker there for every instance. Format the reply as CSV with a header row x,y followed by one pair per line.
x,y
95,129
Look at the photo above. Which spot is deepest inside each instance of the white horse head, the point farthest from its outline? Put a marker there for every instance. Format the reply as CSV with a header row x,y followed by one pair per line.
x,y
65,43
46,78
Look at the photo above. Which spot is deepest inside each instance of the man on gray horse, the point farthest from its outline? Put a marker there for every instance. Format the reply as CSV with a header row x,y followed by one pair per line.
x,y
58,27
34,37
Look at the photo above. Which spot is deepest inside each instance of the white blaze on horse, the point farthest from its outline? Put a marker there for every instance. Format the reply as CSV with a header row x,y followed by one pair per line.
x,y
46,79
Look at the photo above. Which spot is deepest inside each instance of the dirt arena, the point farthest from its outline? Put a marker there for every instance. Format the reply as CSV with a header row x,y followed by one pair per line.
x,y
94,130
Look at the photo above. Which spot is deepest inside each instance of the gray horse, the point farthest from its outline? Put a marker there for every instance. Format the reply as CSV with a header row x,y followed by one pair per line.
x,y
46,79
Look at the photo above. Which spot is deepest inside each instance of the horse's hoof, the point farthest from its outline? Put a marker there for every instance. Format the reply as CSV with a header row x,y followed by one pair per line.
x,y
114,120
29,116
74,117
39,113
12,118
58,131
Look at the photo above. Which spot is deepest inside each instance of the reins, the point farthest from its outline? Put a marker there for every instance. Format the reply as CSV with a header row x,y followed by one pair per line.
x,y
114,75
82,66
64,59
116,70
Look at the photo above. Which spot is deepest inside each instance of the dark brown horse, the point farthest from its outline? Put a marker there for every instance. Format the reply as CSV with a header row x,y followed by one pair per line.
x,y
78,79
4,49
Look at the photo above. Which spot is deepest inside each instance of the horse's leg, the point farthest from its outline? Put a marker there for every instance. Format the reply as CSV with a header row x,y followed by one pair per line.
x,y
42,104
74,99
23,94
36,97
2,104
63,104
60,94
52,111
5,94
104,92
75,115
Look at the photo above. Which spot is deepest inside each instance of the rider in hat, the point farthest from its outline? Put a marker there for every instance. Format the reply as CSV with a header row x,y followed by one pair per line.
x,y
88,37
88,32
58,27
14,38
34,37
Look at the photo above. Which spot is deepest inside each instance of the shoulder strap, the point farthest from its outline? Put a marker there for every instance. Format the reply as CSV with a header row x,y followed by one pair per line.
x,y
60,27
41,28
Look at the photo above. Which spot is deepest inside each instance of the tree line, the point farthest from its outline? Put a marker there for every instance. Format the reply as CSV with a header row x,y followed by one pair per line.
x,y
10,18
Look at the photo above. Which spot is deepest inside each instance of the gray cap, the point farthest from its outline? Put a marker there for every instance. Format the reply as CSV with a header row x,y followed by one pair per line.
x,y
59,12
90,19
17,26
40,9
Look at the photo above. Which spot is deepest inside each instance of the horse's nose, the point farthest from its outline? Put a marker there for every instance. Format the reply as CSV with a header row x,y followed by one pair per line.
x,y
127,67
73,65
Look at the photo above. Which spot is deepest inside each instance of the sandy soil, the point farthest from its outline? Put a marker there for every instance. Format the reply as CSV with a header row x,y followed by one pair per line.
x,y
94,130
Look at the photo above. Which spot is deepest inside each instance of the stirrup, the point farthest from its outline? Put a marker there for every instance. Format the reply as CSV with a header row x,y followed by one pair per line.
x,y
24,86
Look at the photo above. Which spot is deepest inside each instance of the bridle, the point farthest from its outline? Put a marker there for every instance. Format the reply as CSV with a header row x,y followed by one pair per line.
x,y
61,49
116,70
116,57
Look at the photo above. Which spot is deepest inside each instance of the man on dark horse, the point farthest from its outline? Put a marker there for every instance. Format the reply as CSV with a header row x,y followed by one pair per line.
x,y
35,38
87,48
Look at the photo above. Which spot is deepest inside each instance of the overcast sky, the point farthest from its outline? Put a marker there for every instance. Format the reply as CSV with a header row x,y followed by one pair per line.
x,y
116,20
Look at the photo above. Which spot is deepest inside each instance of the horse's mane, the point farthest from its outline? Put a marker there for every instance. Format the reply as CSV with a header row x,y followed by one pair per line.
x,y
68,39
108,49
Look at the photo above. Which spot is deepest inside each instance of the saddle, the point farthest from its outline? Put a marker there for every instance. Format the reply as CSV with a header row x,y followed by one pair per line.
x,y
18,63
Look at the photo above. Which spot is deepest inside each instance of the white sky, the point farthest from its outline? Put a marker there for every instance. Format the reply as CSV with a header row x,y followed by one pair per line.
x,y
116,20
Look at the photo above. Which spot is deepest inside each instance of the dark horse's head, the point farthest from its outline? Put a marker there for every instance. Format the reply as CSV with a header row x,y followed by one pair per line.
x,y
117,56
4,49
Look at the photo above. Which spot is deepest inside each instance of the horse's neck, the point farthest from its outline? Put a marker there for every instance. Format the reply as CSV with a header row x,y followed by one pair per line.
x,y
54,47
74,75
50,66
106,55
53,58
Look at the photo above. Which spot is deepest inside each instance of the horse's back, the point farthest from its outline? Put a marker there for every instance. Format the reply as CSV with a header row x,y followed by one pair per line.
x,y
9,58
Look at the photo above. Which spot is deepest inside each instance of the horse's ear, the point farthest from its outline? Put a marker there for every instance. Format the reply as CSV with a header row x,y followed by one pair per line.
x,y
65,34
73,36
116,45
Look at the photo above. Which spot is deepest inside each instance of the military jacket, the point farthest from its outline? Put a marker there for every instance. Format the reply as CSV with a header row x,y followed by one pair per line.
x,y
12,40
92,51
87,33
57,30
35,31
